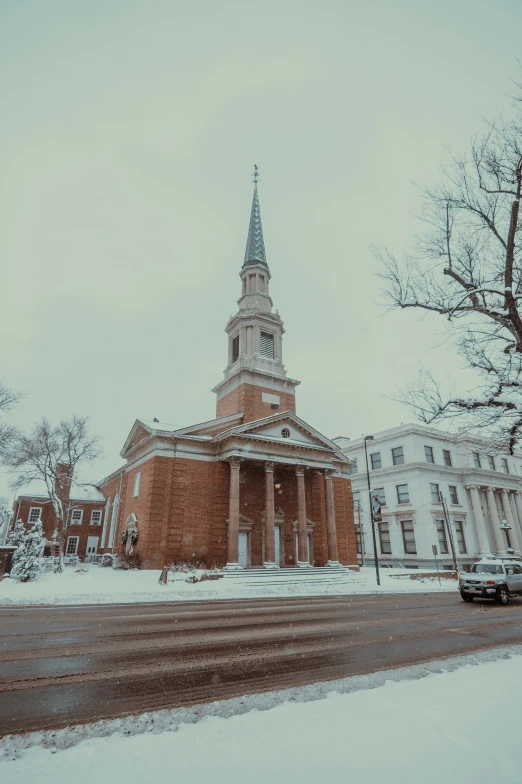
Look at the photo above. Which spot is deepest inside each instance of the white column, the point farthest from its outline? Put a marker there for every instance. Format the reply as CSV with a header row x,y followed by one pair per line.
x,y
518,505
495,520
509,517
480,524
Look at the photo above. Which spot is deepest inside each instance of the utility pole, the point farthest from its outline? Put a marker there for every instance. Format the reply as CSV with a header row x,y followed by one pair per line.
x,y
450,534
366,439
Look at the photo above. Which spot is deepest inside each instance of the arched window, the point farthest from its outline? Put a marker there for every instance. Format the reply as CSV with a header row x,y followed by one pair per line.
x,y
105,521
114,520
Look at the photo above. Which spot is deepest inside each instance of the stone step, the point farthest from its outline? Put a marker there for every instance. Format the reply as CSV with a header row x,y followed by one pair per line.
x,y
314,573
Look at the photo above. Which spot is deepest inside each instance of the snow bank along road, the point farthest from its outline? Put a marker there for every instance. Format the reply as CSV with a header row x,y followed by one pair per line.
x,y
69,665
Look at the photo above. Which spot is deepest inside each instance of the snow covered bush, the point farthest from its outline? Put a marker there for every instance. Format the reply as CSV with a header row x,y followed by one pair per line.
x,y
124,561
26,560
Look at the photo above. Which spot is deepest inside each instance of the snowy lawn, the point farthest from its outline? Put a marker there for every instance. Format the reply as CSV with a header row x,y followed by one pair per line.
x,y
92,584
460,726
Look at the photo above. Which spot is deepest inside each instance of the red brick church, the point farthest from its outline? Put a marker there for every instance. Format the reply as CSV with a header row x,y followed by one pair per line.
x,y
256,486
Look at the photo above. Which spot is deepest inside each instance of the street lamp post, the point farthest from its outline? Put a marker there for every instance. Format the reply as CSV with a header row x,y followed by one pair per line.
x,y
366,439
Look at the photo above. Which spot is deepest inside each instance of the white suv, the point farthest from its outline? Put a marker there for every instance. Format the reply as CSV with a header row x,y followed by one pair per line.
x,y
492,578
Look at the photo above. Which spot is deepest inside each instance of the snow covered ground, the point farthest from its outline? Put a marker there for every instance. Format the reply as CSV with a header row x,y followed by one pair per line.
x,y
451,726
92,584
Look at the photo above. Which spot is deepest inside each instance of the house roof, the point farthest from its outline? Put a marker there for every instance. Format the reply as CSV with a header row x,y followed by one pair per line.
x,y
37,489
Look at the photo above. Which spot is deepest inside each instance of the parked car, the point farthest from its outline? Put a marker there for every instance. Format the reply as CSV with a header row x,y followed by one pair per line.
x,y
492,578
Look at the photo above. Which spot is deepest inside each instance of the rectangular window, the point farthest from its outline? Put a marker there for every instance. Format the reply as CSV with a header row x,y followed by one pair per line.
x,y
459,530
375,460
235,348
353,467
476,460
96,517
428,452
441,533
408,536
505,466
384,538
266,345
398,455
35,514
491,462
435,493
357,499
76,517
72,545
446,454
453,494
137,480
403,495
382,496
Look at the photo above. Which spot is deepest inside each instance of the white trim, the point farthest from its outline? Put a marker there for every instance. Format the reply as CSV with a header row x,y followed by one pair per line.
x,y
74,510
67,545
137,482
39,508
96,512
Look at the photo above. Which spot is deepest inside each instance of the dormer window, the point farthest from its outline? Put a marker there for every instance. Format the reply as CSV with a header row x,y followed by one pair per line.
x,y
267,345
235,348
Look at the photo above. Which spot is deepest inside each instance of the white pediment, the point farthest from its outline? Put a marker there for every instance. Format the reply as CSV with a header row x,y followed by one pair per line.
x,y
284,428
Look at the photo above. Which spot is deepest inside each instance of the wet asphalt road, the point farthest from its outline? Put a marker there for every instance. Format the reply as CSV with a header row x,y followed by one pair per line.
x,y
69,665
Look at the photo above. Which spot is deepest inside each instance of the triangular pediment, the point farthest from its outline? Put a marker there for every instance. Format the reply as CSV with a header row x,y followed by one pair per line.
x,y
285,428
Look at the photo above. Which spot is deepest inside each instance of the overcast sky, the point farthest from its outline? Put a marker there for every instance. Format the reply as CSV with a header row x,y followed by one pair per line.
x,y
129,132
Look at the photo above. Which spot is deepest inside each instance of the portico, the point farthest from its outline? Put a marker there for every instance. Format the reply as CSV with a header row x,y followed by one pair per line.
x,y
290,507
499,520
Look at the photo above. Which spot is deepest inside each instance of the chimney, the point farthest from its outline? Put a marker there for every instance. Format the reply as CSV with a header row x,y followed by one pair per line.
x,y
63,482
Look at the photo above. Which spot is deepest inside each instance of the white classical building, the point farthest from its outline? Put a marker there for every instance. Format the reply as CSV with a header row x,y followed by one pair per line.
x,y
411,466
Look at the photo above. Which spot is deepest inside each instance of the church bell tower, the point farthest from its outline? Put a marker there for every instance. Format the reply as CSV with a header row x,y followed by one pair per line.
x,y
255,380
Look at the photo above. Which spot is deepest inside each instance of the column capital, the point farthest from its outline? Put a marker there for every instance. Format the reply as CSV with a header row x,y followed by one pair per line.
x,y
472,487
269,466
300,470
328,473
235,462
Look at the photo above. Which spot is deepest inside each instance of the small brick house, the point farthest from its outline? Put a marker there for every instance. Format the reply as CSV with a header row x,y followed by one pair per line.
x,y
84,519
256,486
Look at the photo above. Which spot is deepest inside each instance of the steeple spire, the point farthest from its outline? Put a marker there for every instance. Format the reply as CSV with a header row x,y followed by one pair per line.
x,y
255,248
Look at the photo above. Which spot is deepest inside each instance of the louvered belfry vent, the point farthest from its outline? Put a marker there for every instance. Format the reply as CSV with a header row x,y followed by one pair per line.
x,y
267,345
235,348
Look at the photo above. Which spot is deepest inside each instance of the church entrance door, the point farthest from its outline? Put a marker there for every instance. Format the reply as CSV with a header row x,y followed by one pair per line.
x,y
277,536
308,547
243,550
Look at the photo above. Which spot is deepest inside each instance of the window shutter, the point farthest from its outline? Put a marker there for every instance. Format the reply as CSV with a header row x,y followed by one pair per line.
x,y
267,345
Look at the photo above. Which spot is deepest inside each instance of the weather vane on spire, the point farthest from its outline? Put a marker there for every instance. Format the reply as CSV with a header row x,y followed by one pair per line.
x,y
255,174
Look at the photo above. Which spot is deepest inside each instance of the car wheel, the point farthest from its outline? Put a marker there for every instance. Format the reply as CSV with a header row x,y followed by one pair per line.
x,y
466,597
503,595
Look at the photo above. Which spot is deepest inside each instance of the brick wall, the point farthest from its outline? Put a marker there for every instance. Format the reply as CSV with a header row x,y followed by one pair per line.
x,y
248,398
182,511
83,531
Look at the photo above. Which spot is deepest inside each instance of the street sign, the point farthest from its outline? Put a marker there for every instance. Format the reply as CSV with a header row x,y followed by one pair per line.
x,y
434,548
376,507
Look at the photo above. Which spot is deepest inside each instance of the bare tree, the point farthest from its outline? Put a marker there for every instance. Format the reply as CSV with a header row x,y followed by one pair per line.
x,y
8,399
466,267
52,455
5,516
